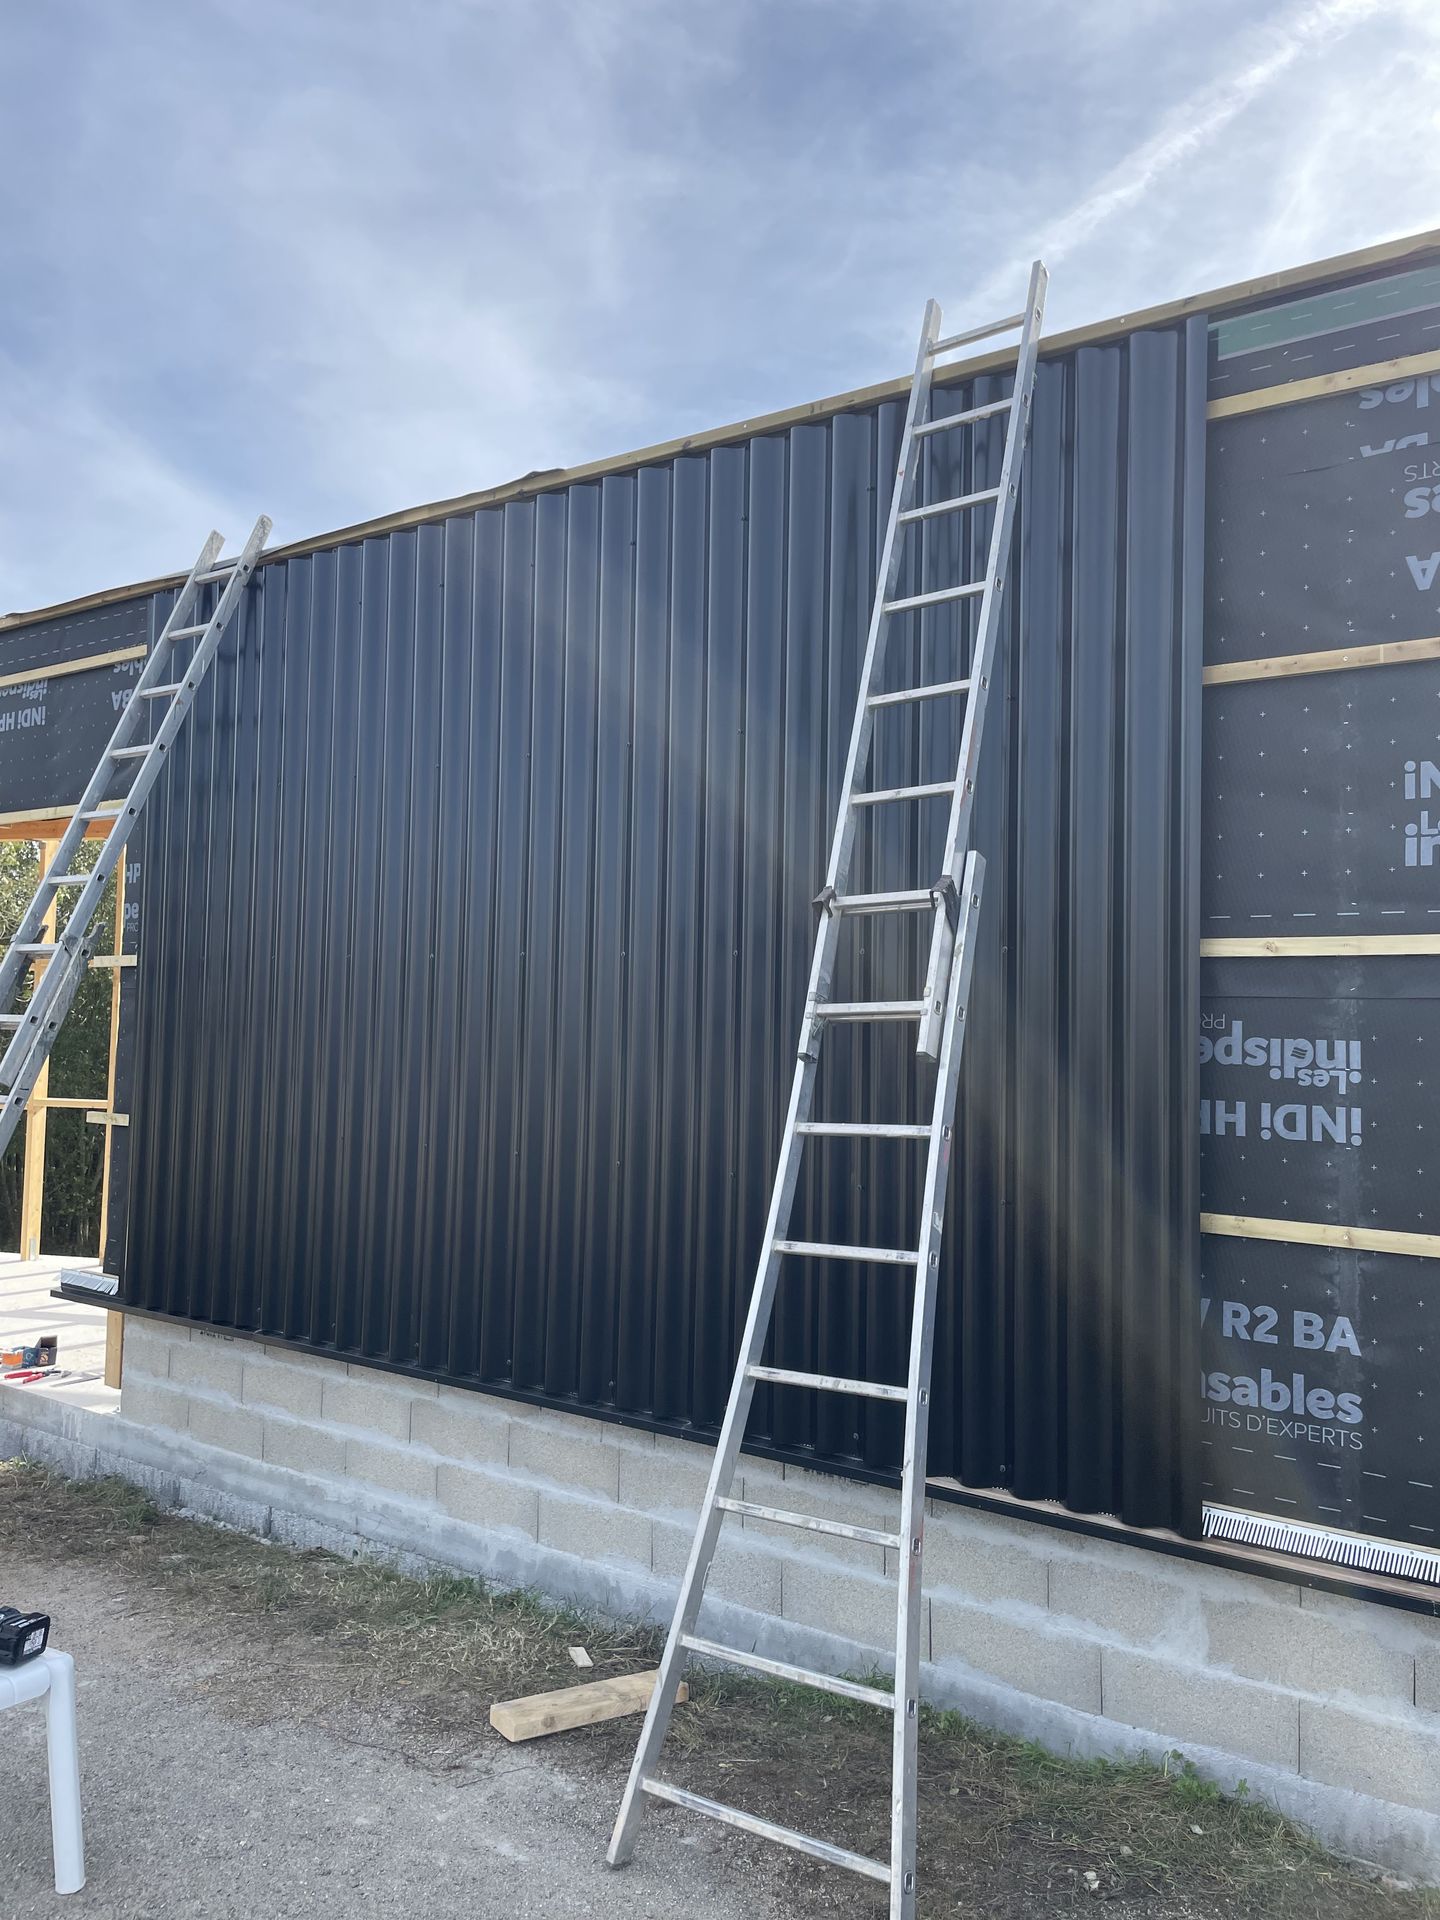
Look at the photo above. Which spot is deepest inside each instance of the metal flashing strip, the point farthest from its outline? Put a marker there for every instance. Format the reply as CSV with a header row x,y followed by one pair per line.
x,y
1322,1543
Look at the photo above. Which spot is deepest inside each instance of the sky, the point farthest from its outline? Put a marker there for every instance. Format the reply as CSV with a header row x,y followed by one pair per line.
x,y
327,259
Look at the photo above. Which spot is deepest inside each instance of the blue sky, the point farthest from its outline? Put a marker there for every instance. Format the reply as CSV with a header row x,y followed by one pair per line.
x,y
329,258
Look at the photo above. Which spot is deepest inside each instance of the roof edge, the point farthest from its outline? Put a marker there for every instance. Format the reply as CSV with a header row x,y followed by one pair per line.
x,y
550,479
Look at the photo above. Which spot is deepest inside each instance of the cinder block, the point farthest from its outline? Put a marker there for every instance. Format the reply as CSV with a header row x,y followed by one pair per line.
x,y
1427,1680
851,1502
667,1478
217,1423
1133,1603
368,1403
382,1377
473,1432
747,1574
575,1454
488,1500
211,1365
394,1469
1370,1753
293,1390
150,1403
594,1530
1293,1647
147,1346
1187,1703
968,1553
1024,1654
304,1449
836,1599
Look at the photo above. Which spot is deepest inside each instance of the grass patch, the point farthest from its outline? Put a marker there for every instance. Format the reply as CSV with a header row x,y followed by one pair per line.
x,y
1006,1828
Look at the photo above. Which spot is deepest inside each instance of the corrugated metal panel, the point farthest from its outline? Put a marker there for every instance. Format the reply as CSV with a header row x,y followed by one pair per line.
x,y
476,937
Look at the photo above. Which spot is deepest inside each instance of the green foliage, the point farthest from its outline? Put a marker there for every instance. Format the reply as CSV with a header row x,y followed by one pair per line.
x,y
74,1155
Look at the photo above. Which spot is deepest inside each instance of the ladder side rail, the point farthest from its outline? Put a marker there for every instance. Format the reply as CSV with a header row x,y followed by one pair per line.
x,y
732,1434
29,929
886,575
957,830
70,970
917,1412
83,908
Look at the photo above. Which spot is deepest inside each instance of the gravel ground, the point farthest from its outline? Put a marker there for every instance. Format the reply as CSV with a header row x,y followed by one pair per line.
x,y
206,1794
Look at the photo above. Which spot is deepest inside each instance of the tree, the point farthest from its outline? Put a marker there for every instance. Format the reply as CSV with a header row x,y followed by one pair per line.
x,y
75,1151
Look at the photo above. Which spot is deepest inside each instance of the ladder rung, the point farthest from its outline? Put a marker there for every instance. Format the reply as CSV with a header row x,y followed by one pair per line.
x,y
105,813
828,1383
184,633
767,1829
130,753
36,946
880,794
1007,325
963,419
821,1250
66,879
931,692
12,1019
865,1129
916,900
216,573
812,1523
161,693
782,1670
934,599
957,505
870,1010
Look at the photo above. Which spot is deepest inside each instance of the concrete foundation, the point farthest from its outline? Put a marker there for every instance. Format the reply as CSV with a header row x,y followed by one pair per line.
x,y
1327,1708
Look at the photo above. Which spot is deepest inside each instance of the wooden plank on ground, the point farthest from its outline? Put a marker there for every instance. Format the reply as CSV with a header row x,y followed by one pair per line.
x,y
567,1707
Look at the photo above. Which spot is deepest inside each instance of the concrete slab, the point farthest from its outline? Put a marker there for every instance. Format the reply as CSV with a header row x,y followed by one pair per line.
x,y
27,1311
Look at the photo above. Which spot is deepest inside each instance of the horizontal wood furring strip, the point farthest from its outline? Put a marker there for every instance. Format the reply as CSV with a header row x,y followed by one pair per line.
x,y
1318,946
1378,374
1283,666
88,665
102,1117
1315,1233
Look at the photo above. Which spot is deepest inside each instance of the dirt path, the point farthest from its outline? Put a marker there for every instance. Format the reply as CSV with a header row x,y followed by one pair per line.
x,y
266,1733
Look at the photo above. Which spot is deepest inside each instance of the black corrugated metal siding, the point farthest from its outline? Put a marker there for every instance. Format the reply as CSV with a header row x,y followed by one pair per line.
x,y
476,934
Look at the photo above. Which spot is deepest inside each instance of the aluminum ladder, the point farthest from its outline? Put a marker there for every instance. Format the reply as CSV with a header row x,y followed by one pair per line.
x,y
61,962
953,902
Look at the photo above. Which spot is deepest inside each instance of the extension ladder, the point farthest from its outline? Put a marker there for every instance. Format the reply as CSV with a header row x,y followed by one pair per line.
x,y
953,902
61,961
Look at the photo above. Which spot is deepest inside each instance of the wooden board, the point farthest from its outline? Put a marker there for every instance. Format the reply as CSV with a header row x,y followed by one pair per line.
x,y
1317,1233
1385,653
1378,374
566,1707
91,661
1320,946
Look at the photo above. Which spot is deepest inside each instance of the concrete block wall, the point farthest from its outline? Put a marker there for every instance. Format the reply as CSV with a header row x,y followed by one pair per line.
x,y
1328,1707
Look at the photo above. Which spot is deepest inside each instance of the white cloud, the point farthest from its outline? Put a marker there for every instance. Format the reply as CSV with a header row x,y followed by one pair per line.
x,y
332,259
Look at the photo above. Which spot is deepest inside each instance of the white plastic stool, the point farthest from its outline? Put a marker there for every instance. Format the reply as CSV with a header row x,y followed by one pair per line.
x,y
51,1677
